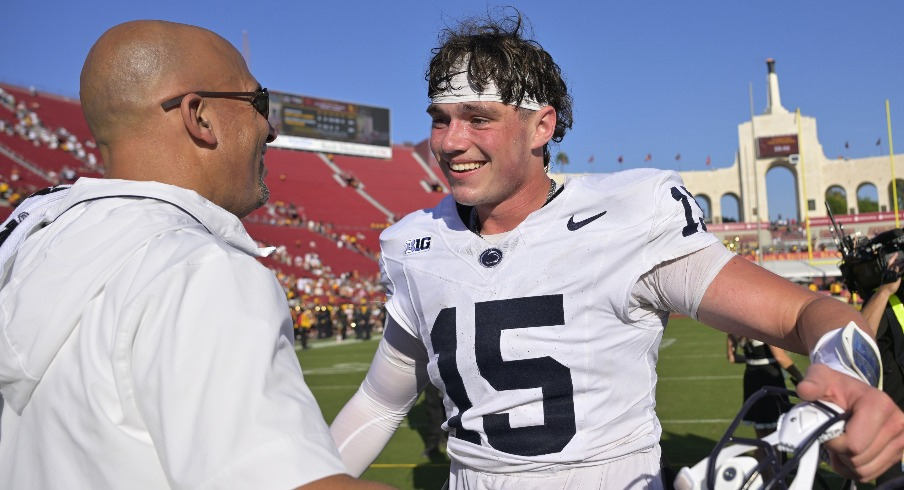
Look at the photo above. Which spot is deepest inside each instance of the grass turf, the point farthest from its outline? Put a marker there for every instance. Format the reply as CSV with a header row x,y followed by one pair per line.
x,y
698,395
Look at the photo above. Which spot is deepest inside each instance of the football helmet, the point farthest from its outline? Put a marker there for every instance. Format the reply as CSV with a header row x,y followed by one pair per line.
x,y
791,453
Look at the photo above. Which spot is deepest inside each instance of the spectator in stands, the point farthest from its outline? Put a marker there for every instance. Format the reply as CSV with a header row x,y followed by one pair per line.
x,y
7,99
538,311
130,378
29,126
14,198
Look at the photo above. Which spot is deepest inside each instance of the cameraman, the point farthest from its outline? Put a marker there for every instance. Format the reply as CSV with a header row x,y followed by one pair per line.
x,y
884,314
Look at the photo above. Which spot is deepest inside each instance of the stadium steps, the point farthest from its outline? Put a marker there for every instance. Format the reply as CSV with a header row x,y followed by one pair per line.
x,y
337,176
299,240
397,184
33,177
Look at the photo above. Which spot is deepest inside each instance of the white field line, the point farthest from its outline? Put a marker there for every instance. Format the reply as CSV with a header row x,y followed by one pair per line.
x,y
695,421
700,378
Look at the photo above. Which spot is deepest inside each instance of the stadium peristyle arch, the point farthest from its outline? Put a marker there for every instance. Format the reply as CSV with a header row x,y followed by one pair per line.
x,y
779,142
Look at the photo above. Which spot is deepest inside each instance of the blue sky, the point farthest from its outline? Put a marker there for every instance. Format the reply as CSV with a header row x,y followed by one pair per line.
x,y
648,77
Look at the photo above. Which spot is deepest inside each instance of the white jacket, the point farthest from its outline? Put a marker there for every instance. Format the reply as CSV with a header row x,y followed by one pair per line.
x,y
143,346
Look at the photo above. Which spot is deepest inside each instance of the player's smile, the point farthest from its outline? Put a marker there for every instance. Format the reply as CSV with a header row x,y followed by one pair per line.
x,y
465,166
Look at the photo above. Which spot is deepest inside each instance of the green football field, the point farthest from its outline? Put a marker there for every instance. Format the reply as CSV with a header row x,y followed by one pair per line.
x,y
698,395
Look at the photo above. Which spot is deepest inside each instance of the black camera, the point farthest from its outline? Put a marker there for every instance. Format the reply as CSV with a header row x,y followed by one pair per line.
x,y
864,261
864,269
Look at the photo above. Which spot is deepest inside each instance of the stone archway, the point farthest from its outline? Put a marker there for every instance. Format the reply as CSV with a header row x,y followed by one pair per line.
x,y
838,201
781,192
705,204
730,204
891,199
867,198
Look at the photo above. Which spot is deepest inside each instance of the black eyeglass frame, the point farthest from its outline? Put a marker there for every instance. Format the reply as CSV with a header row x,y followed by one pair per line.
x,y
260,99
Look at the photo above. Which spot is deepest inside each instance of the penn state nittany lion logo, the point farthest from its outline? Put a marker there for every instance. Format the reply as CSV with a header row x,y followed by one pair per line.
x,y
491,257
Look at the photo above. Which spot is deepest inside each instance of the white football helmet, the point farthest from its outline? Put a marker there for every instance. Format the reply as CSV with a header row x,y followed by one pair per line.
x,y
792,452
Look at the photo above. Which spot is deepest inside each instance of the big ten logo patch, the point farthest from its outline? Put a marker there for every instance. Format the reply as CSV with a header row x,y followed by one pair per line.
x,y
417,245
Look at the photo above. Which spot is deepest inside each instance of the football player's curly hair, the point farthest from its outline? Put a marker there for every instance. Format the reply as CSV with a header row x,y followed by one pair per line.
x,y
519,67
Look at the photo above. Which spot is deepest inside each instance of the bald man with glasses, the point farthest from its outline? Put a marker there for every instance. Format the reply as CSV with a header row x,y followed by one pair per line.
x,y
141,343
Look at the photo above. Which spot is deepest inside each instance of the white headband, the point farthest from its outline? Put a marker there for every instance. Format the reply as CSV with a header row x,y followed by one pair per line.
x,y
460,90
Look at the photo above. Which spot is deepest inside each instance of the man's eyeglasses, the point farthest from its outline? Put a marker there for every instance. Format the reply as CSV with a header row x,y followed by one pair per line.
x,y
260,99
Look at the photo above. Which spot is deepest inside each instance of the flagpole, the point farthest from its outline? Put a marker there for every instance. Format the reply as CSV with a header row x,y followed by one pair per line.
x,y
891,159
803,180
756,181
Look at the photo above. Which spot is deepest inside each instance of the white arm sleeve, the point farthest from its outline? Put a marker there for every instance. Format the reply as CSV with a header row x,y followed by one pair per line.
x,y
395,379
678,285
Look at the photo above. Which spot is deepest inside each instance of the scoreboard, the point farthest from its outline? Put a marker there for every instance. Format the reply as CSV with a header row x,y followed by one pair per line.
x,y
329,126
777,146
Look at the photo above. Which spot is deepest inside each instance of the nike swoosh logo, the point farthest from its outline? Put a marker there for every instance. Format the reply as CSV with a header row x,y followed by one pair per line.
x,y
574,226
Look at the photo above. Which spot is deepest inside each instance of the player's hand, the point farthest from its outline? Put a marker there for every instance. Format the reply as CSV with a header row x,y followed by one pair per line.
x,y
873,438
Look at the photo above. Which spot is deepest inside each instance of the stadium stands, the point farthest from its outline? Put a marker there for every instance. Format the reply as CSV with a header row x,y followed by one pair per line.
x,y
49,131
305,180
15,174
401,185
298,241
56,111
326,211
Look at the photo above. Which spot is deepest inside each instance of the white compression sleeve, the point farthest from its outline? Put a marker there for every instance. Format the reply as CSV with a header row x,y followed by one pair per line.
x,y
678,285
396,377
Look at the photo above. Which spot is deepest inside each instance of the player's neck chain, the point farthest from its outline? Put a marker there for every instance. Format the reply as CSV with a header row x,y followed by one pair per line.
x,y
474,222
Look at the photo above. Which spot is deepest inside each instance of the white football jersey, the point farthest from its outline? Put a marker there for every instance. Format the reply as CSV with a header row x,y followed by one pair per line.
x,y
531,339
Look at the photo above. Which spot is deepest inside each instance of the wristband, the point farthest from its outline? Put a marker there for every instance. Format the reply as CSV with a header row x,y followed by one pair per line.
x,y
851,351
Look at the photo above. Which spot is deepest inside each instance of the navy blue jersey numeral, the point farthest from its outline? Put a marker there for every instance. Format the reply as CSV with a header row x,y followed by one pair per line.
x,y
552,377
686,198
445,345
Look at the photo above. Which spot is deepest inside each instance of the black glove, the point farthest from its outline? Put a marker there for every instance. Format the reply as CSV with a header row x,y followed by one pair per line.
x,y
796,376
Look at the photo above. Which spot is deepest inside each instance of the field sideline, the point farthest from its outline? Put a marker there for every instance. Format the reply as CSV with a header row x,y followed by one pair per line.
x,y
698,395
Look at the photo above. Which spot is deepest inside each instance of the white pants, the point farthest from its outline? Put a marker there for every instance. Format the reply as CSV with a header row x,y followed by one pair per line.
x,y
638,471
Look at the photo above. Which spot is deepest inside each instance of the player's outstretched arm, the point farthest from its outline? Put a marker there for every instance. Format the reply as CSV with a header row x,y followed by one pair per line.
x,y
396,377
746,299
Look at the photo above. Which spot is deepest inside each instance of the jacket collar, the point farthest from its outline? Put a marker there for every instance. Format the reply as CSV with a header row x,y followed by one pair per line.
x,y
216,219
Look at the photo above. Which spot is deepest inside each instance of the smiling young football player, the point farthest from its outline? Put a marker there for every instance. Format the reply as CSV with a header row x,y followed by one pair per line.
x,y
538,309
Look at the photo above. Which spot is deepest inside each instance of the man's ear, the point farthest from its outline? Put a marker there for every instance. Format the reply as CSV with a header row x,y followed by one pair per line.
x,y
194,115
545,120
